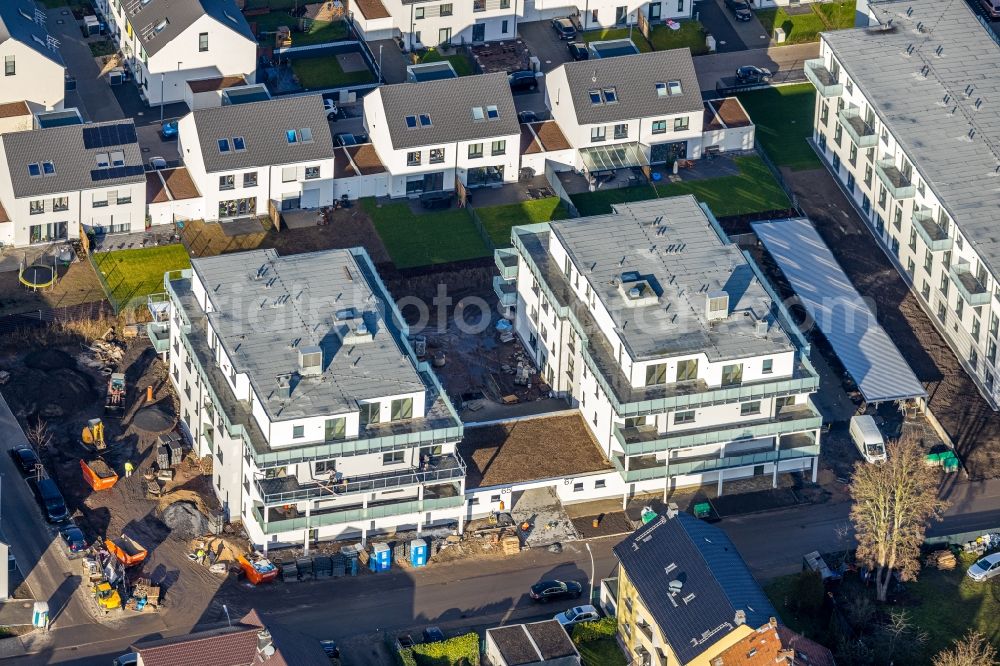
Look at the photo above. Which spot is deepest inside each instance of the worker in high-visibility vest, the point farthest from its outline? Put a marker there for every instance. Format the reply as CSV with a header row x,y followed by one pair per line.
x,y
129,468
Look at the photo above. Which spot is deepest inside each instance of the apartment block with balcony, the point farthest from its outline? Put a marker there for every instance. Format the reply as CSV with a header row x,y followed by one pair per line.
x,y
295,375
906,127
678,356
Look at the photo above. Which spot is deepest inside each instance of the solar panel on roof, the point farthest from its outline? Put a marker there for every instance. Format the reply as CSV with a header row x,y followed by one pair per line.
x,y
108,135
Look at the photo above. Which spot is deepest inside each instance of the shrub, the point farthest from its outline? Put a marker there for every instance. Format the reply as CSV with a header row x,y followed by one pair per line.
x,y
457,651
808,592
593,631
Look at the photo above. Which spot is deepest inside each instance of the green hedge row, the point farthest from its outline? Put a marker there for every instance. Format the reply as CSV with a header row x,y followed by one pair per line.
x,y
593,631
457,651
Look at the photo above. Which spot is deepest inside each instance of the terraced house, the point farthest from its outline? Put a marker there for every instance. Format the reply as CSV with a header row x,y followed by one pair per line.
x,y
676,353
33,69
295,374
906,119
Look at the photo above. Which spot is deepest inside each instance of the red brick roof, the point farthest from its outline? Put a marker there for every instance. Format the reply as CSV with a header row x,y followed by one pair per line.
x,y
216,83
228,646
14,110
775,645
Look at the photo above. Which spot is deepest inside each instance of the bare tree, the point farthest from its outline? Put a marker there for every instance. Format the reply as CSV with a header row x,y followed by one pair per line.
x,y
972,649
893,503
38,435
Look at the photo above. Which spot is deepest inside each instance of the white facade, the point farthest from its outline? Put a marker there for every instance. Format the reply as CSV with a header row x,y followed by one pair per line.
x,y
32,68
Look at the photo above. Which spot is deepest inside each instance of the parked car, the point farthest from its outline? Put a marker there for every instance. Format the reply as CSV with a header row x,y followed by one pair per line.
x,y
578,51
740,9
527,117
157,163
331,109
168,130
74,537
25,459
331,649
523,81
53,504
986,567
433,635
549,590
345,139
127,659
752,74
576,615
564,27
992,8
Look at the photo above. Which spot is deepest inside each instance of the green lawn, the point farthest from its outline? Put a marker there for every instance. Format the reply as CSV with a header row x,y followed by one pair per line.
x,y
753,190
326,72
601,652
805,27
784,119
434,237
134,274
690,36
617,33
498,220
459,61
318,33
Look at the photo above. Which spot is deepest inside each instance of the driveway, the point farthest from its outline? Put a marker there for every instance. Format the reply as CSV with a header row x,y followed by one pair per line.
x,y
543,44
393,61
751,32
785,63
713,16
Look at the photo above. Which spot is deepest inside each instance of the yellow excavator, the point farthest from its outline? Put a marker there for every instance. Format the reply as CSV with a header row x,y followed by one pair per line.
x,y
93,434
107,596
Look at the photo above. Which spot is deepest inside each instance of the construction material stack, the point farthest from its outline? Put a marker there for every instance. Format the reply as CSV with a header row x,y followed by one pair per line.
x,y
145,596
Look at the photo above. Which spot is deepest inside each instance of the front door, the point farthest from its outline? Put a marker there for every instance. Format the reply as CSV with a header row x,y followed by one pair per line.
x,y
621,13
478,32
654,11
444,36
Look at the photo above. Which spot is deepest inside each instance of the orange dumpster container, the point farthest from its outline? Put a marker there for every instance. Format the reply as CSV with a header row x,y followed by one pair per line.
x,y
127,550
98,474
261,571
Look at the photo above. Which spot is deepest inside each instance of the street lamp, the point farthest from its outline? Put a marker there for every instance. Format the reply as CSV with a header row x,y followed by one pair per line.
x,y
591,553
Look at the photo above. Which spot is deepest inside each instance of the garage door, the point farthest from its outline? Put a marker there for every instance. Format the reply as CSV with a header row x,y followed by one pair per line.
x,y
310,198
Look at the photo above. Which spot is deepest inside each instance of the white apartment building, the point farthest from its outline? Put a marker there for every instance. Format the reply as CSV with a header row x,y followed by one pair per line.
x,y
295,374
167,43
59,182
663,334
429,134
33,69
906,119
244,157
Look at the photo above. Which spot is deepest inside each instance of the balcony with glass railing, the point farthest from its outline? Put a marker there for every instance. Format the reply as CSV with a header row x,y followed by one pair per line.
x,y
159,335
935,237
506,261
506,291
820,76
279,520
862,134
642,468
899,185
973,291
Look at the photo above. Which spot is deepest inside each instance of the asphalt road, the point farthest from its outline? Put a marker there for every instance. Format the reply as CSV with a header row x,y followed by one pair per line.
x,y
781,60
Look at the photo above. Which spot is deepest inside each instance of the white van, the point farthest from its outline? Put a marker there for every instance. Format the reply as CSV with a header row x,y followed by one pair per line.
x,y
868,438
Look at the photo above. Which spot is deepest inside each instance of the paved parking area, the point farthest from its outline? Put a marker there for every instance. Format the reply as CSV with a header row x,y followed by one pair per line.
x,y
543,43
93,93
785,63
750,34
714,17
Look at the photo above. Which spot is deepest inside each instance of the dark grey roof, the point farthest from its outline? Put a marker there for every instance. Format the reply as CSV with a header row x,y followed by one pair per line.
x,y
634,79
449,105
953,139
73,151
715,582
17,23
263,127
180,15
544,642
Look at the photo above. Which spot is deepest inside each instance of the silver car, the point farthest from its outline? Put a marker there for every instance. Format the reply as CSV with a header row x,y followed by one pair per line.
x,y
986,567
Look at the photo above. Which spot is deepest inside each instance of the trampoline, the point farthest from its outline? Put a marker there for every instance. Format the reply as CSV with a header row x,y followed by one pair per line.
x,y
37,276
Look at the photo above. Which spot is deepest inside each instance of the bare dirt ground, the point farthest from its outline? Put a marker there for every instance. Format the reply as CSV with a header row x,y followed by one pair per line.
x,y
77,284
968,419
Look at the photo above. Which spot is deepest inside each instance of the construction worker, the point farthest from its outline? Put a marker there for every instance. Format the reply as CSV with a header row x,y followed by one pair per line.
x,y
200,555
129,468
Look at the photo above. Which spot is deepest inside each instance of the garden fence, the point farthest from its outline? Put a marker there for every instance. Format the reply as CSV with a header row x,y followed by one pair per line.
x,y
481,228
45,316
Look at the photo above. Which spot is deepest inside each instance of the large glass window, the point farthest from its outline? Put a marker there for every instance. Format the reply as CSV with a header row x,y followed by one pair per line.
x,y
47,233
687,370
732,374
656,374
238,207
402,409
371,412
335,428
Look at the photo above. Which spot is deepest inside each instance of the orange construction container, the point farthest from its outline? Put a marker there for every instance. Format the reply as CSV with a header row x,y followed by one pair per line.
x,y
264,572
127,550
98,474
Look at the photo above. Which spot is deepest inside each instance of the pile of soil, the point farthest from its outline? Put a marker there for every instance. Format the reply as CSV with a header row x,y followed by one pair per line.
x,y
156,418
184,518
50,386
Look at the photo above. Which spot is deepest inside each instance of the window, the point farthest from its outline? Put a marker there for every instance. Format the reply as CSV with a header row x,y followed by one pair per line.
x,y
687,370
610,96
945,284
475,150
681,418
287,174
577,487
674,87
413,159
868,175
621,131
505,4
925,291
852,155
838,134
100,200
103,162
994,324
250,179
393,458
681,124
335,428
60,204
750,408
882,193
478,5
436,155
411,122
202,42
371,413
227,182
600,483
49,169
499,147
326,466
492,112
477,113
239,144
680,5
505,24
425,120
446,9
661,90
824,113
418,13
897,218
656,374
595,97
37,207
298,432
866,203
402,409
312,172
659,126
9,68
597,134
767,366
732,374
928,260
913,240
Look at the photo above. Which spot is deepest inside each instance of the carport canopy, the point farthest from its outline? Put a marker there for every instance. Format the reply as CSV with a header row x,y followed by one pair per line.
x,y
824,290
615,156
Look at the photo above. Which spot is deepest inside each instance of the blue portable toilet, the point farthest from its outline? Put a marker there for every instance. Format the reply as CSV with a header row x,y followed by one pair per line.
x,y
381,559
418,553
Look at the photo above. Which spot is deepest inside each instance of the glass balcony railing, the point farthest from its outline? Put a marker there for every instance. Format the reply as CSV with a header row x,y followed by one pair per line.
x,y
159,335
679,467
899,185
934,236
862,134
825,82
506,291
973,291
506,261
353,515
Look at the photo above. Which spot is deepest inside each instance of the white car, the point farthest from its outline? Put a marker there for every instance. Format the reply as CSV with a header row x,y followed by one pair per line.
x,y
986,567
577,614
331,109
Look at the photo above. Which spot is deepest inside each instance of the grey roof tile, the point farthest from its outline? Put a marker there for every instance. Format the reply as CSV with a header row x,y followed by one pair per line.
x,y
715,582
634,79
449,105
16,22
180,15
961,171
263,126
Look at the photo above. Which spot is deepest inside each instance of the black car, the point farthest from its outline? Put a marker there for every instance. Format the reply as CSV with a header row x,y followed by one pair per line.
x,y
564,27
527,117
740,9
752,74
74,538
523,81
549,590
578,51
25,459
